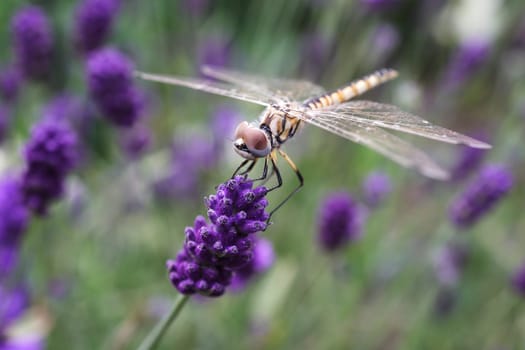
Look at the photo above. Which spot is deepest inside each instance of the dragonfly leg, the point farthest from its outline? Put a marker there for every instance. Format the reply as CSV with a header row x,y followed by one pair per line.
x,y
250,167
275,169
299,177
264,175
240,167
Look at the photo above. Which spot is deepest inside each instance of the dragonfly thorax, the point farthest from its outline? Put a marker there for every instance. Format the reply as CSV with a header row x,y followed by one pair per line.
x,y
251,142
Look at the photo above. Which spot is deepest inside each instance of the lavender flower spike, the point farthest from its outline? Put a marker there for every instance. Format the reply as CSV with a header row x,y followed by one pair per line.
x,y
212,252
50,155
110,80
340,220
376,188
491,185
33,41
94,19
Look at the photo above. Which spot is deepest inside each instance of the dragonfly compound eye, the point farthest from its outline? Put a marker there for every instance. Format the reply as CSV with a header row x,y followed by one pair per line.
x,y
256,141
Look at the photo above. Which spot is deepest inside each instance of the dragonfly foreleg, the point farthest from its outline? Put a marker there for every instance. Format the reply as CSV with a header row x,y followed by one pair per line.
x,y
242,166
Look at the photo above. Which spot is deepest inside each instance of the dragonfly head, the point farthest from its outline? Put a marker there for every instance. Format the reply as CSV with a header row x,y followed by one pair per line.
x,y
251,142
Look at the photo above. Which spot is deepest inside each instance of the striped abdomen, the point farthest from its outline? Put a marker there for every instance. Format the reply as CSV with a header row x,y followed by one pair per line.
x,y
355,88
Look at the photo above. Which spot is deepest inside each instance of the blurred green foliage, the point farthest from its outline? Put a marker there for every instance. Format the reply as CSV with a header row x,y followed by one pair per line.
x,y
379,293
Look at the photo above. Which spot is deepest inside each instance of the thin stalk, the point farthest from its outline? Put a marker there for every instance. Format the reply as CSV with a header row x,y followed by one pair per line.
x,y
156,334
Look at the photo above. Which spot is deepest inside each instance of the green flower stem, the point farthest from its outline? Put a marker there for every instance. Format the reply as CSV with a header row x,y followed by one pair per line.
x,y
157,333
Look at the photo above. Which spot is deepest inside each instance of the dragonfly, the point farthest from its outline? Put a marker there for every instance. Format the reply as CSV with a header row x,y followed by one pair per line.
x,y
291,104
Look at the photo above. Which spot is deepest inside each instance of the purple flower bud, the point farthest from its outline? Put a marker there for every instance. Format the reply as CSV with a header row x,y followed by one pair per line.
x,y
13,303
50,154
379,5
135,141
213,250
315,52
110,80
10,82
466,61
518,280
376,188
263,259
33,41
214,51
340,220
93,22
385,40
14,215
480,196
449,263
65,108
224,121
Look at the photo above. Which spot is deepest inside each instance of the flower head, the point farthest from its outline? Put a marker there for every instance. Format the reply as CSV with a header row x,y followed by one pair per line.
x,y
94,19
110,81
376,188
469,57
14,215
50,154
214,51
340,220
10,82
469,159
481,195
449,263
135,141
33,41
212,251
263,258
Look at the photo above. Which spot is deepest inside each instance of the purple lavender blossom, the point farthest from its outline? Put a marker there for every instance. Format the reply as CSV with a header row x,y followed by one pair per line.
x,y
213,251
263,259
50,154
315,50
190,158
224,121
93,22
13,223
340,221
214,51
33,41
518,280
379,5
10,83
195,7
449,263
480,196
469,58
385,40
110,80
376,188
64,108
135,141
468,161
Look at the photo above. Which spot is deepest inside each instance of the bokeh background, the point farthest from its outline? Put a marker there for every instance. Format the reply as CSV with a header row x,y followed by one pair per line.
x,y
410,278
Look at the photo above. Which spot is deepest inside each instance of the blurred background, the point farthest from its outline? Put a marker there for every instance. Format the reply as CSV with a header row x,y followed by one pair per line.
x,y
415,272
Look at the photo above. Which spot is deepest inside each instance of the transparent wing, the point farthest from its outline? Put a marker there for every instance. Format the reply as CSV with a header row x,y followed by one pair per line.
x,y
392,117
297,90
379,140
236,92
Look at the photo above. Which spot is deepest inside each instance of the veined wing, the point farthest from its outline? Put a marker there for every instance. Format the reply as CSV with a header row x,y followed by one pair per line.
x,y
297,90
236,92
392,117
379,140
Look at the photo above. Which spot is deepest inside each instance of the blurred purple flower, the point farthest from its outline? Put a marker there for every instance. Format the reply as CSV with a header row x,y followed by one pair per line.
x,y
93,22
135,141
467,60
518,280
385,40
214,51
223,123
315,52
65,108
10,83
480,196
14,218
33,41
379,5
212,251
190,158
468,161
110,80
195,7
50,154
449,263
340,220
263,259
13,303
376,188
